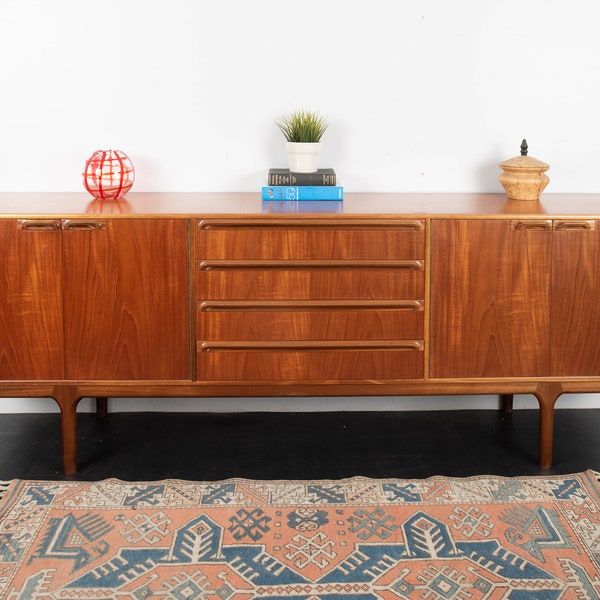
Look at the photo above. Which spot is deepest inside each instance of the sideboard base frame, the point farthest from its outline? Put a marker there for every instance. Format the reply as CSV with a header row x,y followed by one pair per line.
x,y
68,394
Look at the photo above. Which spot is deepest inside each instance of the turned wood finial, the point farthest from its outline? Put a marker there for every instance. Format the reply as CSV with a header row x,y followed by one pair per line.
x,y
524,148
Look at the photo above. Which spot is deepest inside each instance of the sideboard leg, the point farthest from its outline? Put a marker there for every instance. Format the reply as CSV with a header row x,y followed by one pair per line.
x,y
506,401
67,397
547,394
102,407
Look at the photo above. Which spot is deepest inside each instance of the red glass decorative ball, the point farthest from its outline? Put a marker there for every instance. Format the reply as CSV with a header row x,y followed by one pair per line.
x,y
108,174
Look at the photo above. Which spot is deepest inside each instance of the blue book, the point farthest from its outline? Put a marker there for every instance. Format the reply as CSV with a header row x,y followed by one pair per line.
x,y
303,192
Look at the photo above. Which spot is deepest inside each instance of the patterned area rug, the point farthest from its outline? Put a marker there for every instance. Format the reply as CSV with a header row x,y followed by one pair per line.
x,y
433,539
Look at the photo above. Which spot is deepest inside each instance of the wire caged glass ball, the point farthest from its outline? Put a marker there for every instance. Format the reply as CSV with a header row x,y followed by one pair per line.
x,y
108,174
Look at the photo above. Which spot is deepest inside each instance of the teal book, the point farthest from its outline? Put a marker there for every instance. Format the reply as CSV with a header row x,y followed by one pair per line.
x,y
303,192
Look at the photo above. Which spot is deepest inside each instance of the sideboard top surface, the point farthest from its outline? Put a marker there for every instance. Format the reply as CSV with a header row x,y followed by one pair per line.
x,y
231,204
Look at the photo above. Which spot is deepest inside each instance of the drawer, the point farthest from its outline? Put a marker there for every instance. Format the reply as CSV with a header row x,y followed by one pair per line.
x,y
286,280
309,240
363,320
291,362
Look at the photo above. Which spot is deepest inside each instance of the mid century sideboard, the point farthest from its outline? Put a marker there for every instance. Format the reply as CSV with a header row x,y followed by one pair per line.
x,y
221,294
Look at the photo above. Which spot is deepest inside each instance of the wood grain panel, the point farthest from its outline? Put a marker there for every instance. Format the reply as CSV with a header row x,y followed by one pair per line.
x,y
309,321
31,316
309,240
333,283
575,322
312,363
490,299
126,300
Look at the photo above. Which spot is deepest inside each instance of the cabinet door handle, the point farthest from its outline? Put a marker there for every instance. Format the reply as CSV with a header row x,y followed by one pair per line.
x,y
38,224
533,225
583,225
76,225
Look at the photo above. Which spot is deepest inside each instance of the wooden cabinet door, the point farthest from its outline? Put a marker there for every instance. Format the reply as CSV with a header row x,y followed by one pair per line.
x,y
126,299
575,322
490,298
31,332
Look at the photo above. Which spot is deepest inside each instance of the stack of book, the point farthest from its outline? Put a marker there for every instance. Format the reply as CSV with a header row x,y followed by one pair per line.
x,y
283,184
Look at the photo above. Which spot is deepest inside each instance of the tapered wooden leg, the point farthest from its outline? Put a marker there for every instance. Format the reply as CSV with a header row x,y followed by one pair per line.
x,y
506,401
102,407
547,394
67,398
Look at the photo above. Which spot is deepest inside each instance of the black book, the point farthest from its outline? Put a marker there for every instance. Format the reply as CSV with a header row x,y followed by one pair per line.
x,y
286,177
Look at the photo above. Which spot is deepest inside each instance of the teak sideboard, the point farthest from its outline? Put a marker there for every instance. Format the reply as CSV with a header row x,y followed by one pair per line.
x,y
221,295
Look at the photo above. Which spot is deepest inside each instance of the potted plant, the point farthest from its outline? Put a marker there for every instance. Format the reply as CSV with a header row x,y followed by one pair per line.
x,y
303,130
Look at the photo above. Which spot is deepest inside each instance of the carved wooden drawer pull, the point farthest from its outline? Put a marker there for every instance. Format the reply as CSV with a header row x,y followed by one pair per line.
x,y
410,224
38,224
584,225
308,346
227,265
77,225
533,225
306,305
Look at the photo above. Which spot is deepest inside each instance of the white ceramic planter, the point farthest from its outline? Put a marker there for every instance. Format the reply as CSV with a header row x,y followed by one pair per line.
x,y
303,157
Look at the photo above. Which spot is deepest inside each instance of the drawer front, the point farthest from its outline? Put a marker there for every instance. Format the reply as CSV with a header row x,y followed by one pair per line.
x,y
268,362
226,281
300,240
309,321
296,300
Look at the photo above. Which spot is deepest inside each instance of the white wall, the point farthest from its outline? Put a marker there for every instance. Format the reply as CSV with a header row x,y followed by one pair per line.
x,y
420,96
426,95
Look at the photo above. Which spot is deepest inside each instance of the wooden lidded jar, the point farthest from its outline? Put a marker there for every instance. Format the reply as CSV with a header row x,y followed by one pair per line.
x,y
524,177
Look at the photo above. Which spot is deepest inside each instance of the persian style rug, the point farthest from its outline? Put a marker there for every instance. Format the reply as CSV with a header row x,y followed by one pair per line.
x,y
434,539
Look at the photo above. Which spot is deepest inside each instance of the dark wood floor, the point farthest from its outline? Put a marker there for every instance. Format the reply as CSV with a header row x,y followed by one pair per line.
x,y
208,446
